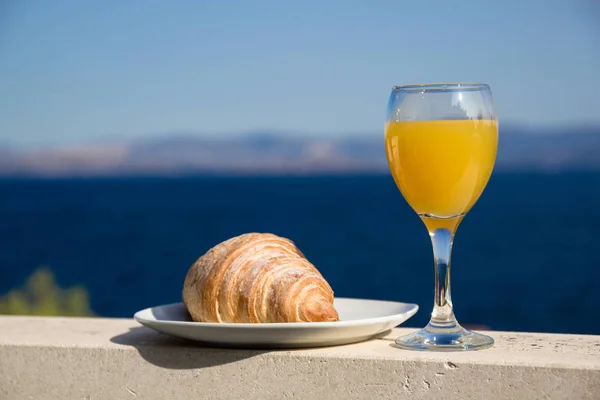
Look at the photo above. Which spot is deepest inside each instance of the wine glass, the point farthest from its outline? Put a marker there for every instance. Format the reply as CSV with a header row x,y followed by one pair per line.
x,y
441,142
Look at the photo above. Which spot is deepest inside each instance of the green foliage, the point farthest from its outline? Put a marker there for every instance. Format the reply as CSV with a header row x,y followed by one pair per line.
x,y
42,296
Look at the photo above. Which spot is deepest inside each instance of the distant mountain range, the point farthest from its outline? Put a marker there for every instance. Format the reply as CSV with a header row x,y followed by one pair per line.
x,y
521,148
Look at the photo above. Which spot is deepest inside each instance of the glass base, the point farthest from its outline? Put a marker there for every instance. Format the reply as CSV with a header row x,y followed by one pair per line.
x,y
455,338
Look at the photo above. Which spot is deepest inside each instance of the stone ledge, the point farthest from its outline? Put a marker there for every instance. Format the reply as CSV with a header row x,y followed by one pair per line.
x,y
97,358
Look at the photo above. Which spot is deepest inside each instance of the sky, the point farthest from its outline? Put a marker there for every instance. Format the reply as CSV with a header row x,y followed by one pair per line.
x,y
98,71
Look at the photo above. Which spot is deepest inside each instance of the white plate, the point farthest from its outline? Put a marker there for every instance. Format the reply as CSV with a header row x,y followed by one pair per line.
x,y
359,320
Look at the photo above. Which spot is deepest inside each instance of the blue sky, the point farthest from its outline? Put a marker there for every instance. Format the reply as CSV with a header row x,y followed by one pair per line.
x,y
77,72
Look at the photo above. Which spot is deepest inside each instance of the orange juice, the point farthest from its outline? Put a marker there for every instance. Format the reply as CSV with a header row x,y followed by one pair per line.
x,y
441,167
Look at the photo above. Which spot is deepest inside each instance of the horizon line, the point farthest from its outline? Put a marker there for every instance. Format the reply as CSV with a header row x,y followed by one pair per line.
x,y
8,145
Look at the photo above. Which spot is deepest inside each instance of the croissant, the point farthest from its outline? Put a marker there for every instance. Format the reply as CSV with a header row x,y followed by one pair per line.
x,y
257,278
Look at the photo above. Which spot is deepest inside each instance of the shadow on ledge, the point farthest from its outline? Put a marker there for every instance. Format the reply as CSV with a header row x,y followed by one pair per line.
x,y
169,352
166,351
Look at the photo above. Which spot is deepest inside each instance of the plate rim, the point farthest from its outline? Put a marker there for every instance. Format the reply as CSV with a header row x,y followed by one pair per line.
x,y
413,308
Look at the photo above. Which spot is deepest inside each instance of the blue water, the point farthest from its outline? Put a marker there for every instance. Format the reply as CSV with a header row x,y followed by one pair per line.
x,y
525,258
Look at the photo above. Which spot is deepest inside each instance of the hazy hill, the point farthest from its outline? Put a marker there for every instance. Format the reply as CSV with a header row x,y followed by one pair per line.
x,y
272,152
558,148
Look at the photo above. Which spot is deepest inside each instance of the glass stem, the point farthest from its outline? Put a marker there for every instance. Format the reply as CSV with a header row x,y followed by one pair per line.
x,y
442,315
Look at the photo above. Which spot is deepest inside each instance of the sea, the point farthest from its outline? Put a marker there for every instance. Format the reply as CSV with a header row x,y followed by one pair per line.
x,y
526,258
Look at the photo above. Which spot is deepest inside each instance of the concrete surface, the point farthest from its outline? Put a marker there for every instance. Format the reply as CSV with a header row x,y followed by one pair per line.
x,y
84,358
